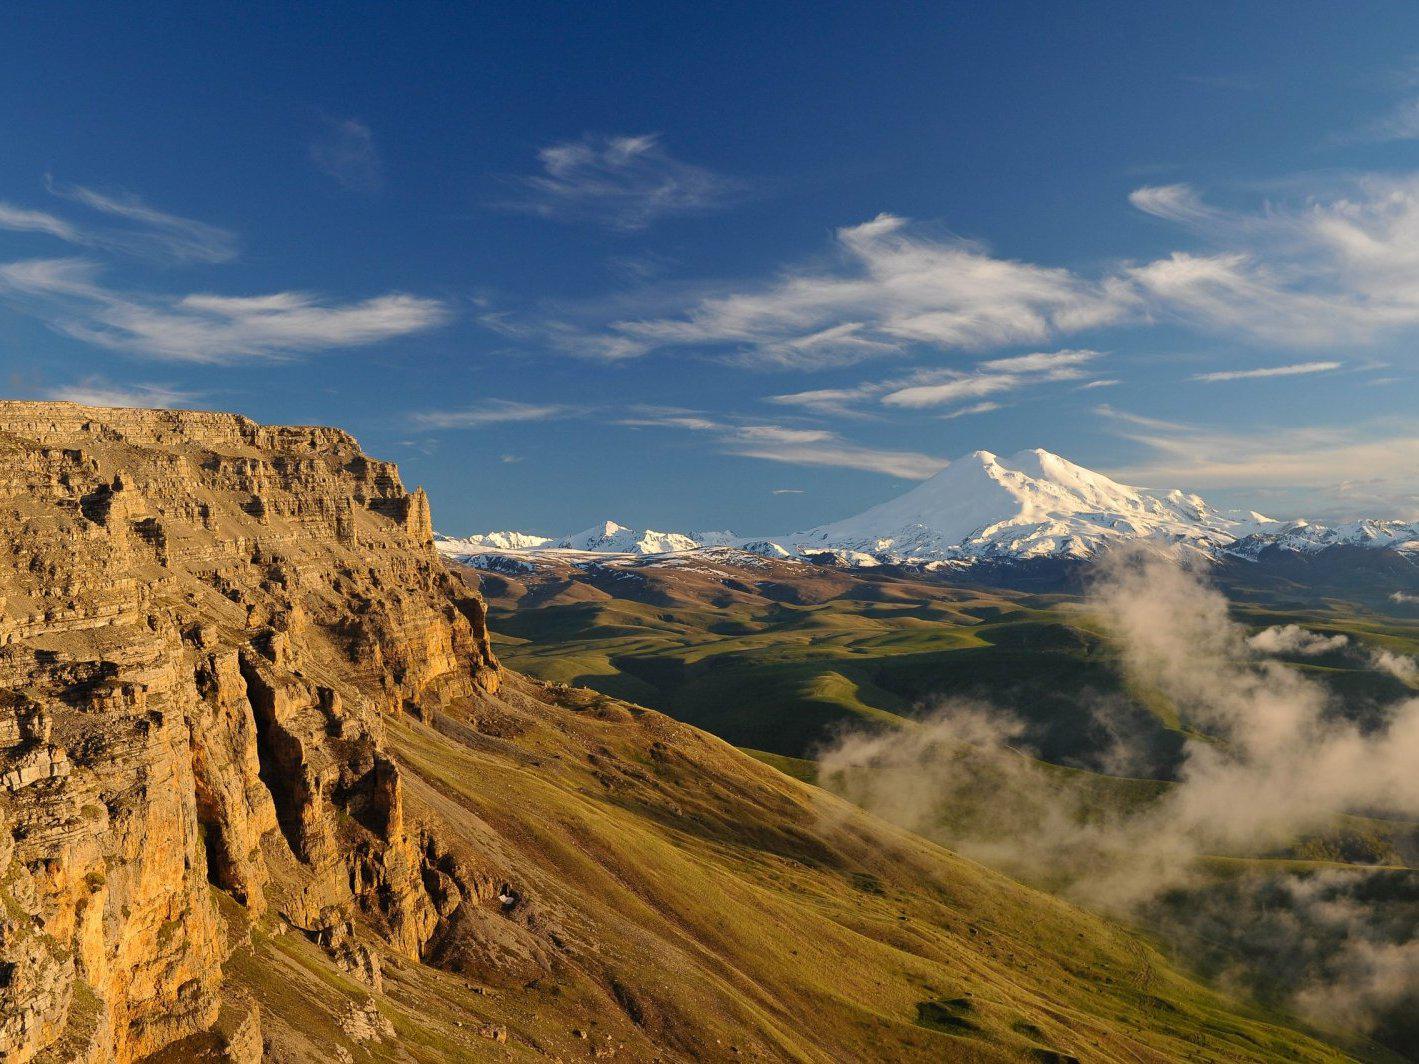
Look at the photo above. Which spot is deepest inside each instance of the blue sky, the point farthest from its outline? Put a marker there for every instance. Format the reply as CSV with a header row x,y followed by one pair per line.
x,y
749,266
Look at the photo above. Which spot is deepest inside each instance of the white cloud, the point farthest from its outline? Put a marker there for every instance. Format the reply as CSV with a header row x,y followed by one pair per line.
x,y
889,289
1364,469
345,150
1104,410
1293,639
491,412
835,345
143,230
939,387
1402,123
149,231
623,182
1337,265
794,446
95,391
794,491
906,465
973,409
1340,264
780,434
965,386
1045,362
1294,370
202,327
1400,666
24,220
1175,203
1104,382
671,420
838,402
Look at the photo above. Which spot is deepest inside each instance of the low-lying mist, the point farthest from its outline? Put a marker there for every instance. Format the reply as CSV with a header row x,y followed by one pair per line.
x,y
1270,759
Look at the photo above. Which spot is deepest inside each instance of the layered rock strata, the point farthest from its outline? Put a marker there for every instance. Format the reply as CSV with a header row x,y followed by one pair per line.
x,y
203,625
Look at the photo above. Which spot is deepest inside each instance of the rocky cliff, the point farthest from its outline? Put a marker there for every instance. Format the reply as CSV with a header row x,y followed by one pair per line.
x,y
265,793
205,623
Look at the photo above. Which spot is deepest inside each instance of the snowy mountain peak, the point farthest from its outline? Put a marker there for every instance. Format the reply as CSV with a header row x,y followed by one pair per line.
x,y
1031,504
985,508
610,537
490,541
607,537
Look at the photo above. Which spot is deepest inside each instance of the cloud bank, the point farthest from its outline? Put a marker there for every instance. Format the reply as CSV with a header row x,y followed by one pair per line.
x,y
1280,763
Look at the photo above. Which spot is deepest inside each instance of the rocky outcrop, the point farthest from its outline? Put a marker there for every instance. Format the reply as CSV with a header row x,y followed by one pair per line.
x,y
203,622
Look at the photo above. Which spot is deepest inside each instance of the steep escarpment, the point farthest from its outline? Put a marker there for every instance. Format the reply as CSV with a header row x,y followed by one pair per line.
x,y
204,625
265,792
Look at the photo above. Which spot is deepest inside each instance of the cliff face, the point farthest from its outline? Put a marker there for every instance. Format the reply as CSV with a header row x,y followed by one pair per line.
x,y
204,625
265,794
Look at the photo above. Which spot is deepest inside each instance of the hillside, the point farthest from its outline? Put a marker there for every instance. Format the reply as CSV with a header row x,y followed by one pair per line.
x,y
774,654
267,793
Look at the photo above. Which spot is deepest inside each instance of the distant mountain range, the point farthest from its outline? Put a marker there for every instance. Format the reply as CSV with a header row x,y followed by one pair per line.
x,y
605,538
983,509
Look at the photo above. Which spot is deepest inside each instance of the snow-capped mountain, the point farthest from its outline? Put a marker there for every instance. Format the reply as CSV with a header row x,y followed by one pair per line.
x,y
984,509
611,538
1031,505
605,538
1304,537
491,541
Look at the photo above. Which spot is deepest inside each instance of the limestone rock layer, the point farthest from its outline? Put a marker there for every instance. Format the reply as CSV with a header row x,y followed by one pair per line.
x,y
203,625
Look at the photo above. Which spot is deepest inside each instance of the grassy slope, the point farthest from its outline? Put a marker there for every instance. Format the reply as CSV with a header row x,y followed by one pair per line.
x,y
705,906
776,664
779,676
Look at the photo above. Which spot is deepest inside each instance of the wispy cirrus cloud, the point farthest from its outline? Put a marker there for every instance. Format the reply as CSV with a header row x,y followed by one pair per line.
x,y
840,454
1342,472
22,219
889,289
1340,264
791,445
942,387
96,391
70,296
991,378
621,182
1296,369
141,230
146,230
1335,262
1401,122
973,409
492,412
840,402
345,151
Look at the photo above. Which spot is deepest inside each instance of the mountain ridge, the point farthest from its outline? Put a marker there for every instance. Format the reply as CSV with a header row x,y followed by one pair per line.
x,y
983,509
